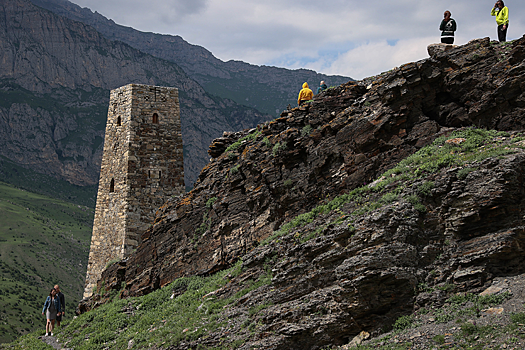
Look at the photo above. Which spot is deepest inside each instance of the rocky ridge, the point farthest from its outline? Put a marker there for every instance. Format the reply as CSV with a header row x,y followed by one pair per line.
x,y
268,89
354,258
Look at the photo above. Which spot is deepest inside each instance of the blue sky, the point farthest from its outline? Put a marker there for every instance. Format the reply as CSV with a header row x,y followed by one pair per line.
x,y
346,37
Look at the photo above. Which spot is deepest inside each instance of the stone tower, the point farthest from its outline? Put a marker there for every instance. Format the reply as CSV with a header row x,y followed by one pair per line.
x,y
142,166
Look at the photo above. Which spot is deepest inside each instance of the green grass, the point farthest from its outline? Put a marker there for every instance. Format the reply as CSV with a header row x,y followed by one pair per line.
x,y
403,322
28,342
44,242
278,147
49,186
158,320
479,144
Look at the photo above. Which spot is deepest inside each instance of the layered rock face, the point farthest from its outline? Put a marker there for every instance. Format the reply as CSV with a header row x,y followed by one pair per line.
x,y
359,274
363,277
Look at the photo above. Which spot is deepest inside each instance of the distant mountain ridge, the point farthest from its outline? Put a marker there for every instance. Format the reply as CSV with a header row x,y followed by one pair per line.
x,y
268,89
55,79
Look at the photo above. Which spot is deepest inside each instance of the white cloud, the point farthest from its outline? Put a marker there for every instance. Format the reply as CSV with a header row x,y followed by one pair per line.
x,y
345,37
376,57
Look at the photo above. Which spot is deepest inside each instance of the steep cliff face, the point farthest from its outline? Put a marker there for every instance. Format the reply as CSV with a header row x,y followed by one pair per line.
x,y
342,140
55,79
268,89
353,259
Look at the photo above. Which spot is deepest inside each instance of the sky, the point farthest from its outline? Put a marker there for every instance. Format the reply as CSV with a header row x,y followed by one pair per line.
x,y
340,37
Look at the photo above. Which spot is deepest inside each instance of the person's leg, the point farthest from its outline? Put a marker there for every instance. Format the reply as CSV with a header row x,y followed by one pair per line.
x,y
502,33
447,40
52,326
48,325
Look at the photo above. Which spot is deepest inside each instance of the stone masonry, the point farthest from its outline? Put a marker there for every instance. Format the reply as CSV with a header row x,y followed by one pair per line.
x,y
142,166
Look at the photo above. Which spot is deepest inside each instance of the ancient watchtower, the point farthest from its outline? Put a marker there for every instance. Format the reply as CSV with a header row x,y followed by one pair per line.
x,y
142,166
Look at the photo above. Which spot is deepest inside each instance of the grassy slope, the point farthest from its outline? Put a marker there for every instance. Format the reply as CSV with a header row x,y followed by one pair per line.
x,y
29,180
43,242
157,319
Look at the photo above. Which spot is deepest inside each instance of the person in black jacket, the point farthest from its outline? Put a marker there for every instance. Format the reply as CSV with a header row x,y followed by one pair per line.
x,y
447,27
62,299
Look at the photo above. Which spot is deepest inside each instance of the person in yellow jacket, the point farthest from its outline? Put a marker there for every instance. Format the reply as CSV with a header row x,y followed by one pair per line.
x,y
305,94
502,19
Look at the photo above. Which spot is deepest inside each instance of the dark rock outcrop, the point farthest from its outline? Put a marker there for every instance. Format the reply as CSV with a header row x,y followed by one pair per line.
x,y
359,274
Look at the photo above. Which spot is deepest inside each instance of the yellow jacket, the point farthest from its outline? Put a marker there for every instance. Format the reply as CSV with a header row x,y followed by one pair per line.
x,y
502,16
305,94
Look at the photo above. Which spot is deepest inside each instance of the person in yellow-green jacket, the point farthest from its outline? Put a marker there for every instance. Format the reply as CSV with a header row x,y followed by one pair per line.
x,y
502,19
305,94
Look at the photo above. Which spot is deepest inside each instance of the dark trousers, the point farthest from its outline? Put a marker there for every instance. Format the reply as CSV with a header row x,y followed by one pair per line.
x,y
447,40
502,33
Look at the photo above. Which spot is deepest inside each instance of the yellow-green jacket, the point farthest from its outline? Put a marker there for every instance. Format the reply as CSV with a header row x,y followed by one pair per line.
x,y
305,94
502,16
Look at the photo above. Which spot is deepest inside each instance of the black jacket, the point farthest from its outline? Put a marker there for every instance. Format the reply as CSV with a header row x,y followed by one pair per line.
x,y
448,28
62,299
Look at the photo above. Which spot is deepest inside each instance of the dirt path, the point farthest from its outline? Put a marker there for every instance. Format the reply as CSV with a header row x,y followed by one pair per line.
x,y
50,340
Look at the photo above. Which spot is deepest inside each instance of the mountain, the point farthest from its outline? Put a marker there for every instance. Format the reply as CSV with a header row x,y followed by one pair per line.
x,y
55,79
268,89
403,192
44,241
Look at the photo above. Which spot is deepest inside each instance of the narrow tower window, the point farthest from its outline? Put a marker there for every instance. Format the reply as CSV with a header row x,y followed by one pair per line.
x,y
118,121
155,118
112,185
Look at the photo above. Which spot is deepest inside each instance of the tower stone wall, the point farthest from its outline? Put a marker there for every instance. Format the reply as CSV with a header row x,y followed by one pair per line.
x,y
142,166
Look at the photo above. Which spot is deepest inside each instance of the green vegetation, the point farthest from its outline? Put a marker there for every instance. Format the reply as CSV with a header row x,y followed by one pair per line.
x,y
288,183
44,242
210,202
158,320
425,188
206,221
278,147
467,305
204,226
464,172
32,181
235,169
306,130
86,110
439,339
403,322
464,334
476,145
29,342
251,137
